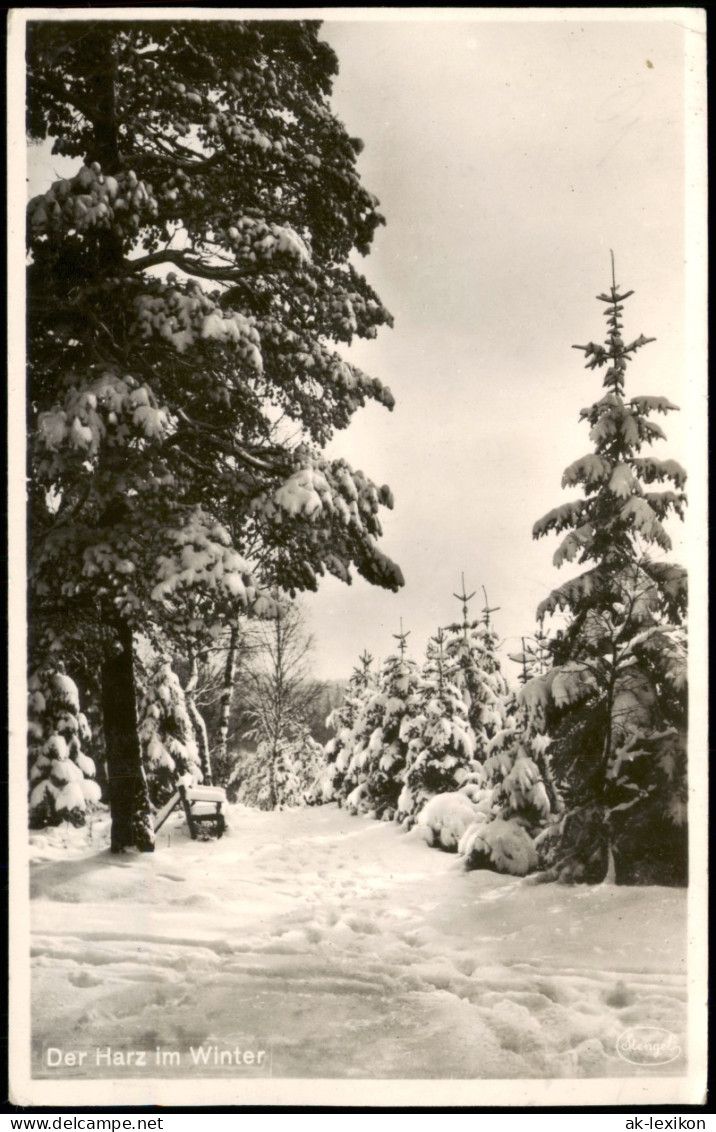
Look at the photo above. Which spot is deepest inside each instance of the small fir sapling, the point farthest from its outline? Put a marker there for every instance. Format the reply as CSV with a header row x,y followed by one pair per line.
x,y
374,774
510,794
62,786
440,741
169,745
342,720
535,656
471,646
518,765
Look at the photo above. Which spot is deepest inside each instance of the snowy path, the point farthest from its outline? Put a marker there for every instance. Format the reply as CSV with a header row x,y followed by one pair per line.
x,y
342,947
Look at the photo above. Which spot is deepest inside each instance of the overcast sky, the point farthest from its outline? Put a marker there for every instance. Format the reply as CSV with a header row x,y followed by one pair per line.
x,y
509,156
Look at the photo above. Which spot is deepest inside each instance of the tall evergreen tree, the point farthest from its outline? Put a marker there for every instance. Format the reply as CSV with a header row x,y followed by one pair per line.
x,y
187,289
613,699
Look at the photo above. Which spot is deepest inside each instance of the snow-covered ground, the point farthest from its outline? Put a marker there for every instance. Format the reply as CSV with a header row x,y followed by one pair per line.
x,y
339,947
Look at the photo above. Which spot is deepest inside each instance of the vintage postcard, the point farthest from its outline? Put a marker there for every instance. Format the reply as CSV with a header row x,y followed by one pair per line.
x,y
358,503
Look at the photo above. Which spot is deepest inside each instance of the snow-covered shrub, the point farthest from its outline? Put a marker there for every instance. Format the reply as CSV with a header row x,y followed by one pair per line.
x,y
281,774
500,845
444,819
358,801
271,779
166,733
62,785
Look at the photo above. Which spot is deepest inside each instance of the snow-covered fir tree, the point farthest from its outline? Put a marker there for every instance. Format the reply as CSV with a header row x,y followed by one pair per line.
x,y
517,800
535,656
377,749
614,697
471,645
517,763
517,769
169,742
441,743
62,786
510,792
342,720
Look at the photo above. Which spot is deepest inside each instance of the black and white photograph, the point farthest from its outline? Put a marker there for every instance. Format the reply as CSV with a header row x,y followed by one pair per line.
x,y
357,496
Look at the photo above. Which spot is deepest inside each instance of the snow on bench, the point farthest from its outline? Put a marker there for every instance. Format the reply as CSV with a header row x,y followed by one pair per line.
x,y
203,807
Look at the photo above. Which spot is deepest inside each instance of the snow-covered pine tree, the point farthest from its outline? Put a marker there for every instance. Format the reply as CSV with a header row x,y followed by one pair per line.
x,y
310,766
187,287
342,720
471,646
614,695
517,769
166,732
535,657
519,791
62,786
441,743
517,764
378,752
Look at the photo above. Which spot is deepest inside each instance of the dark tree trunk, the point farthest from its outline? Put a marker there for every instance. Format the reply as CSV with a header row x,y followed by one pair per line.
x,y
273,758
128,794
101,80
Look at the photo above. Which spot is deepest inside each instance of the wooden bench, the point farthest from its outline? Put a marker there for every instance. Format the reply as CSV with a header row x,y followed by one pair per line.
x,y
203,808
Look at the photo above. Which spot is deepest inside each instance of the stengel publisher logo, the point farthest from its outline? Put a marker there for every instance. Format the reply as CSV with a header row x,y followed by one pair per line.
x,y
648,1045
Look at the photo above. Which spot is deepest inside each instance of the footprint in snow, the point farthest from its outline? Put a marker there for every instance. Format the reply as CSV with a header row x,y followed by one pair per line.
x,y
362,926
84,979
412,939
